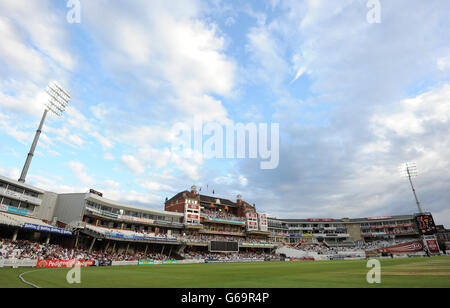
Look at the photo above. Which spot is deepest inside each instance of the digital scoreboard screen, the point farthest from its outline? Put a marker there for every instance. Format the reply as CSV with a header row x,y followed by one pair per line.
x,y
218,246
425,224
93,191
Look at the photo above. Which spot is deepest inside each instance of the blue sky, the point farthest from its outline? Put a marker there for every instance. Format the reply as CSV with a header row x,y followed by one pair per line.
x,y
353,99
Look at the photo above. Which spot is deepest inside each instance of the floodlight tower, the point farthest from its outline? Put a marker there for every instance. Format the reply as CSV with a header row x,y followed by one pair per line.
x,y
410,170
58,99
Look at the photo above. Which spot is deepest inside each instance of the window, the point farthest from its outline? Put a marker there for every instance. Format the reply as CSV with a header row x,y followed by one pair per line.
x,y
11,202
31,193
16,189
106,209
27,207
93,204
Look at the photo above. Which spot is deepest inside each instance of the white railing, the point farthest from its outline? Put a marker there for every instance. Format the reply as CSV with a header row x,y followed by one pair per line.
x,y
20,196
334,235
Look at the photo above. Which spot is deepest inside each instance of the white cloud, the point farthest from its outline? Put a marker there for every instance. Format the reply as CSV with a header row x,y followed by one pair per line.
x,y
79,170
267,54
415,114
134,164
344,161
155,186
188,60
13,173
34,50
444,63
75,140
299,73
243,180
230,179
108,156
16,54
45,27
133,197
7,126
378,146
226,179
105,142
22,96
112,184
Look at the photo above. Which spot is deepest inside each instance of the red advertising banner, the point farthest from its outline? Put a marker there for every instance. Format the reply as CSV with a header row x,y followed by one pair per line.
x,y
433,245
63,263
320,219
404,248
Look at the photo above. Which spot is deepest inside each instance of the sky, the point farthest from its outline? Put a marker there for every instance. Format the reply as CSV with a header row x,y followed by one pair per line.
x,y
354,99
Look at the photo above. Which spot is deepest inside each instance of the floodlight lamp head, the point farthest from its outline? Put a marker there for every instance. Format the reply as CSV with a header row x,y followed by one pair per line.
x,y
58,98
409,169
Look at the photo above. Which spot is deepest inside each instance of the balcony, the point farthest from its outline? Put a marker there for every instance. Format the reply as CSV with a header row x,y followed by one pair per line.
x,y
128,219
20,196
206,231
225,220
332,235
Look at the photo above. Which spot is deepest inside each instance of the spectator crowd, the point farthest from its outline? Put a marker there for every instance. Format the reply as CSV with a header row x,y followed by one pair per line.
x,y
242,255
204,238
323,249
39,251
32,250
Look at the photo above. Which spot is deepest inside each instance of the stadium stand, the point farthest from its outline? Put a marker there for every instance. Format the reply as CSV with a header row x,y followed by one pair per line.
x,y
7,220
128,233
88,225
42,251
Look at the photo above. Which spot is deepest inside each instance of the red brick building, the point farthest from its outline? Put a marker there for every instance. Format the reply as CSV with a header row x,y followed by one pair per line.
x,y
210,215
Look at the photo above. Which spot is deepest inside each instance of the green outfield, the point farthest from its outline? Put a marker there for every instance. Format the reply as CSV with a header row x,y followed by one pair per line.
x,y
397,273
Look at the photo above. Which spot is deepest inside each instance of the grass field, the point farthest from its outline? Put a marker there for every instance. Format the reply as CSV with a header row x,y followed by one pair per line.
x,y
397,273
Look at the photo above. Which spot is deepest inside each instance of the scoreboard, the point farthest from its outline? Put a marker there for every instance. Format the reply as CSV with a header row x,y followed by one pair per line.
x,y
93,191
220,246
425,224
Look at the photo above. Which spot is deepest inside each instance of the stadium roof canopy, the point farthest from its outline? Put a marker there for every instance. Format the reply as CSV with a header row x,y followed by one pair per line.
x,y
209,199
20,221
203,198
20,184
